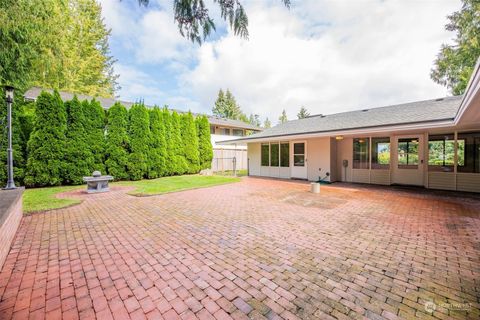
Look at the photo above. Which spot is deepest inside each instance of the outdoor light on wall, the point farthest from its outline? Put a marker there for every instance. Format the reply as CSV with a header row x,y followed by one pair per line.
x,y
9,98
339,138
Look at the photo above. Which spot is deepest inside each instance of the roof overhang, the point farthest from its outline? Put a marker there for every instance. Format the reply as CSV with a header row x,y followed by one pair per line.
x,y
469,110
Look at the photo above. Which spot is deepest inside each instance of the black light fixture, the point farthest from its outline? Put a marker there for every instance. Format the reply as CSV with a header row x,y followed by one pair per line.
x,y
9,97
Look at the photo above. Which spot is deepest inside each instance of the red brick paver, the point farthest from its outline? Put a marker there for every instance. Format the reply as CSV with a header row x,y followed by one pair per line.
x,y
258,249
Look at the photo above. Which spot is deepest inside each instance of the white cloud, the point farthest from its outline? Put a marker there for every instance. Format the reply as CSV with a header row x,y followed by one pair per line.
x,y
329,56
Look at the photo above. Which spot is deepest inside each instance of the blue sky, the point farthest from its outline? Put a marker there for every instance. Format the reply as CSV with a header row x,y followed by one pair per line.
x,y
329,56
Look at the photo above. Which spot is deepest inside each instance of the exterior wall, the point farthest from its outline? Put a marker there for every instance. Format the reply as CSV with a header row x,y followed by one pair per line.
x,y
327,155
317,155
10,217
318,158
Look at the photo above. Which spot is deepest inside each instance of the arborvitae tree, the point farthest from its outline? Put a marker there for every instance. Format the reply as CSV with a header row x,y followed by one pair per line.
x,y
205,149
95,133
158,148
180,163
190,142
47,142
78,156
170,164
117,142
18,142
138,135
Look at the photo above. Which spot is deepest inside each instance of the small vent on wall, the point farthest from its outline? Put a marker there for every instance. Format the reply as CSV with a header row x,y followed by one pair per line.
x,y
364,110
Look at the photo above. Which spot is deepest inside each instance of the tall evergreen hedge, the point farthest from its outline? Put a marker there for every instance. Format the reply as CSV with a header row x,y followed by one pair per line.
x,y
190,142
95,133
46,145
170,148
68,141
116,151
205,148
179,162
158,148
78,156
139,138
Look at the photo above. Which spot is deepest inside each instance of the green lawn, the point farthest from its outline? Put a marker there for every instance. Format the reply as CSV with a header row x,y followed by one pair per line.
x,y
175,183
42,199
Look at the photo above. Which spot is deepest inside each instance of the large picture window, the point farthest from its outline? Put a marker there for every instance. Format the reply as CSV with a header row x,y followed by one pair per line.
x,y
408,153
381,153
284,154
274,154
468,152
441,153
360,153
265,154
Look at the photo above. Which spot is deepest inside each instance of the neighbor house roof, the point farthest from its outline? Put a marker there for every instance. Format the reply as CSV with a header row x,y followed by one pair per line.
x,y
106,103
441,109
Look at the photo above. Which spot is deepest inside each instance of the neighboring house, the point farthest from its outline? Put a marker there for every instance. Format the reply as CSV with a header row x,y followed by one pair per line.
x,y
220,129
433,143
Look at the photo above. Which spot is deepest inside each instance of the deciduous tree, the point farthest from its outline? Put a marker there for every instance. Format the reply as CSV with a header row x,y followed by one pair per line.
x,y
455,62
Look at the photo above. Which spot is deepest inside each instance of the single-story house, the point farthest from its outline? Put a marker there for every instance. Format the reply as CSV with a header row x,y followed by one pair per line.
x,y
433,143
220,129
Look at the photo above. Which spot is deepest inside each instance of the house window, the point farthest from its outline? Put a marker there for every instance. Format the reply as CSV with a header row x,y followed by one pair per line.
x,y
274,154
284,154
265,154
408,153
360,153
468,152
381,153
441,153
238,132
225,131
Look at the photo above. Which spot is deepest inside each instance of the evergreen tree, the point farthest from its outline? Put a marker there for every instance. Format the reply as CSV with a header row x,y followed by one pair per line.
x,y
18,141
283,118
205,149
267,124
138,136
170,164
47,142
303,113
95,133
180,164
158,148
226,107
117,142
78,156
190,142
254,119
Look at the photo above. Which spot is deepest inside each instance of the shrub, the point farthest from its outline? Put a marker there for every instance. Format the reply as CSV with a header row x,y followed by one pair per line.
x,y
158,148
190,142
170,150
205,149
46,145
78,156
180,164
95,133
138,135
116,152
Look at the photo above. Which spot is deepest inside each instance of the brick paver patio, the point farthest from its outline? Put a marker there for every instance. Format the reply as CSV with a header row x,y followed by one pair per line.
x,y
256,249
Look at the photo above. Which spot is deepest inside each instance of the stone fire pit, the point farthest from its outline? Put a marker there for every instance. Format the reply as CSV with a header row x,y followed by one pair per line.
x,y
97,183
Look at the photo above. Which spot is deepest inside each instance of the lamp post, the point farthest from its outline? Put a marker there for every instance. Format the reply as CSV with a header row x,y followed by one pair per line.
x,y
9,96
